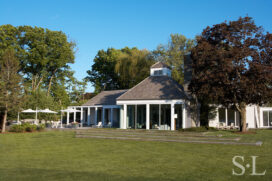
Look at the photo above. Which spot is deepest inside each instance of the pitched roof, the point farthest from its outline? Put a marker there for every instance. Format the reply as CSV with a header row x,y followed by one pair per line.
x,y
105,98
160,65
155,88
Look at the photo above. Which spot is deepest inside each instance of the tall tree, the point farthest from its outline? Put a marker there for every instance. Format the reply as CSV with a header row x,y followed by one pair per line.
x,y
133,66
102,74
173,54
44,57
232,65
10,84
119,69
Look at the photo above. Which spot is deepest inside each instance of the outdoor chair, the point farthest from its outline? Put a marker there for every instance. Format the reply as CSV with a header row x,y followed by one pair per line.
x,y
108,125
99,125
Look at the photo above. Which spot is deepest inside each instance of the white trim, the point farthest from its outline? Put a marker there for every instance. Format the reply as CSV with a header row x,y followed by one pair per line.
x,y
95,116
172,126
89,116
81,116
183,117
147,119
226,117
125,117
68,118
135,102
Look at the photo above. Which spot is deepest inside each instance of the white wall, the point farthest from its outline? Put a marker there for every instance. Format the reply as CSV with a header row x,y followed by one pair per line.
x,y
250,117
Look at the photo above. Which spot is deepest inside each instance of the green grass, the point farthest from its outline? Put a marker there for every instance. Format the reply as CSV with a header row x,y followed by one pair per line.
x,y
58,155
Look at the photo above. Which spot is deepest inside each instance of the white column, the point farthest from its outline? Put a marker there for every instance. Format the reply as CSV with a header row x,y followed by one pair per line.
x,y
60,119
68,117
111,116
183,116
234,118
226,111
147,116
172,117
217,117
75,116
81,116
103,116
89,116
95,116
125,117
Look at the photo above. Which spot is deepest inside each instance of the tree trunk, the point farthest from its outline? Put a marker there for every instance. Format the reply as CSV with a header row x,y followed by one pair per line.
x,y
50,82
243,116
49,86
4,121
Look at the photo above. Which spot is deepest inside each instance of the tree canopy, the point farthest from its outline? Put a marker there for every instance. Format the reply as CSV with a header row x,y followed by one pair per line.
x,y
44,62
119,69
173,54
10,84
232,65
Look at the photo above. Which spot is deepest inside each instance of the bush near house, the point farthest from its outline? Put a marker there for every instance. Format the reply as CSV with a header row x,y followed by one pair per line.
x,y
199,129
26,127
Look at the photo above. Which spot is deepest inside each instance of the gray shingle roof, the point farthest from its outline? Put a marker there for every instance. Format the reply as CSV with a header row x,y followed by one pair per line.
x,y
105,98
155,88
160,65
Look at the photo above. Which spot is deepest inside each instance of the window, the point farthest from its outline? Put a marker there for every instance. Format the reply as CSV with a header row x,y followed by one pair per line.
x,y
231,118
267,118
222,115
158,72
154,116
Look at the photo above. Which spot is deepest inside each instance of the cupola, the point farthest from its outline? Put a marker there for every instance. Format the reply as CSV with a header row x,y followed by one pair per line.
x,y
160,69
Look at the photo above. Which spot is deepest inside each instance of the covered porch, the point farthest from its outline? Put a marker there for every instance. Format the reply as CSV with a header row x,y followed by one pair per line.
x,y
153,114
93,116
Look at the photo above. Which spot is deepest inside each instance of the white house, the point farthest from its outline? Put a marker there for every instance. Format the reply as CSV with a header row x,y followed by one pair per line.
x,y
159,102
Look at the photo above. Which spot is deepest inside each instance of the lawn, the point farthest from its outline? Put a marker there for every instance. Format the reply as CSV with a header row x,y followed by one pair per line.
x,y
58,155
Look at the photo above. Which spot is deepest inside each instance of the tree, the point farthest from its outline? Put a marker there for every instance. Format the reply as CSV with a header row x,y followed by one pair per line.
x,y
44,57
133,66
102,74
232,65
173,54
119,69
10,84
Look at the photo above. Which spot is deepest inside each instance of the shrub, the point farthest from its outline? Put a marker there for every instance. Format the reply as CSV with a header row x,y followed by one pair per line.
x,y
17,128
199,129
23,127
30,127
40,127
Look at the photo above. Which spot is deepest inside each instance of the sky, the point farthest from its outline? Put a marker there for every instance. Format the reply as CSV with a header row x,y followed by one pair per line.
x,y
101,24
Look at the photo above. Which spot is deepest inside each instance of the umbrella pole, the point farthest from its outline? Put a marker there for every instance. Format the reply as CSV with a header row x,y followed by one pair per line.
x,y
36,115
60,119
18,118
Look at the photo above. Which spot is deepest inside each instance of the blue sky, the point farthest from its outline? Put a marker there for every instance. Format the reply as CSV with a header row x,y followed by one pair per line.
x,y
96,25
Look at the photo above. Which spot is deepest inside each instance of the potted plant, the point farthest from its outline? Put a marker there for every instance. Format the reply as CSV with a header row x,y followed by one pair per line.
x,y
75,125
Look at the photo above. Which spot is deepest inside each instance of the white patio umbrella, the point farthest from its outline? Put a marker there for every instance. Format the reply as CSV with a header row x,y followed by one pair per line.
x,y
31,111
47,111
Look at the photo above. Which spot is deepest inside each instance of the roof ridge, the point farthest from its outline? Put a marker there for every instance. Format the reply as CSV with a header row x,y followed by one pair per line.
x,y
133,87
